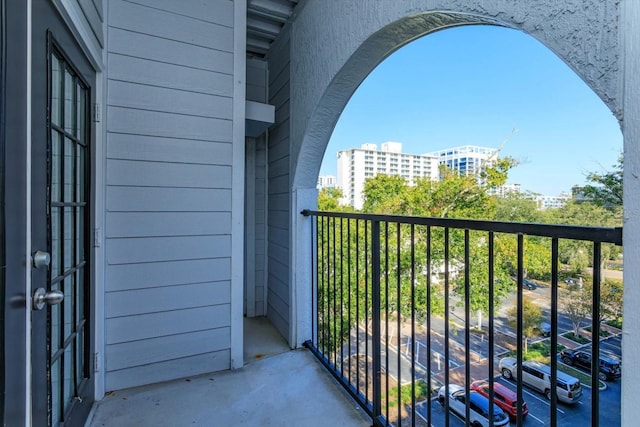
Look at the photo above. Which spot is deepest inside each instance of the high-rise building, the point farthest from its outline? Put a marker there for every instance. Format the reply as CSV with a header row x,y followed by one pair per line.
x,y
326,181
466,159
357,164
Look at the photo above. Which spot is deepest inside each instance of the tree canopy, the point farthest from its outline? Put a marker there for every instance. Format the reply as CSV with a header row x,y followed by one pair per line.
x,y
605,189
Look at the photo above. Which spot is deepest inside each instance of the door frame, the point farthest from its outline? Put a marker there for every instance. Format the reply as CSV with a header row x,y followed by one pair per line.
x,y
17,211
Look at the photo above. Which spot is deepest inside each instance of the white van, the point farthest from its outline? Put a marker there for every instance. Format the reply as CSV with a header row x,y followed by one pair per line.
x,y
538,376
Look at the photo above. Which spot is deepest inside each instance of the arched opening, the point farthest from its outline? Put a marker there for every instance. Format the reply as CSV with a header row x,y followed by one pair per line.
x,y
326,113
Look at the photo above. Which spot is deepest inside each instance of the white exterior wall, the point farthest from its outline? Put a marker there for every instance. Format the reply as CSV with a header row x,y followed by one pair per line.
x,y
171,219
356,165
279,195
630,37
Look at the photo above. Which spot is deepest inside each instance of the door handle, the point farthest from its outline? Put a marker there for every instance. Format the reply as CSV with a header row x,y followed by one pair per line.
x,y
41,298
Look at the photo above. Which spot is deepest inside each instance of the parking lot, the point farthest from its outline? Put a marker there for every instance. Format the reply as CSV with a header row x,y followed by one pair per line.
x,y
539,408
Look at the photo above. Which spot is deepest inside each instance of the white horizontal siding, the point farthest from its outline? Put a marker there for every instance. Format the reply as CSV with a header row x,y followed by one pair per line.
x,y
145,46
141,147
169,189
163,199
278,206
159,349
164,371
175,322
168,125
160,300
170,273
163,224
161,74
171,25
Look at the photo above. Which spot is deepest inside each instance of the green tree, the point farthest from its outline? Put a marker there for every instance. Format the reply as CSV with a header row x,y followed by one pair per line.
x,y
385,194
329,199
516,207
577,306
605,189
531,318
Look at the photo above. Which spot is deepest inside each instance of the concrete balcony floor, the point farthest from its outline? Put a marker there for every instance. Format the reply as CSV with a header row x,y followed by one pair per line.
x,y
276,387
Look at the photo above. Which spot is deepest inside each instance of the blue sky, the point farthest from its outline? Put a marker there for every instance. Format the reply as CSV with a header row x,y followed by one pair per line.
x,y
473,85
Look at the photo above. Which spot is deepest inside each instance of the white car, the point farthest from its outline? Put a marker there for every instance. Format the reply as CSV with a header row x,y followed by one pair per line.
x,y
478,406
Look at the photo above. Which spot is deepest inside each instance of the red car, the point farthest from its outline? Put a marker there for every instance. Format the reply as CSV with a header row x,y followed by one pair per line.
x,y
503,396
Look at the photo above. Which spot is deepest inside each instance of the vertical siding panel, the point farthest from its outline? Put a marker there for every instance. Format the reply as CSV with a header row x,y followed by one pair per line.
x,y
278,200
169,187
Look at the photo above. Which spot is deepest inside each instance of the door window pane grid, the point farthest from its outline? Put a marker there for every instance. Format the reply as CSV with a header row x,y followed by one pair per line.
x,y
68,127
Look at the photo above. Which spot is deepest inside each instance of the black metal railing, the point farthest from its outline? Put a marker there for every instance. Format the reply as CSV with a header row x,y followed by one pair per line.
x,y
393,299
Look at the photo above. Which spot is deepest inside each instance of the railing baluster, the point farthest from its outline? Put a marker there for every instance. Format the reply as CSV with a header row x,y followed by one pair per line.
x,y
467,322
413,327
554,329
519,322
375,327
595,337
491,353
341,297
428,281
366,308
446,325
386,317
349,294
358,305
334,339
399,315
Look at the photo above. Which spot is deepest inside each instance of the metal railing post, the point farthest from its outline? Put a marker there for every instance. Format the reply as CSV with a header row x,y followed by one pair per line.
x,y
375,327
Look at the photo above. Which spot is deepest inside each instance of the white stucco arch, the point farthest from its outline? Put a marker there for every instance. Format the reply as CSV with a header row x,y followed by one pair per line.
x,y
334,45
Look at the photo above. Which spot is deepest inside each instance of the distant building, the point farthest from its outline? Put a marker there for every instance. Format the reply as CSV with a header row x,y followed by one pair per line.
x,y
466,159
326,181
357,164
505,189
546,202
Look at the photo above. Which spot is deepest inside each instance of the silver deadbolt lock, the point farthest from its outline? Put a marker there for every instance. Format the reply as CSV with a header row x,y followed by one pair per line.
x,y
41,259
41,297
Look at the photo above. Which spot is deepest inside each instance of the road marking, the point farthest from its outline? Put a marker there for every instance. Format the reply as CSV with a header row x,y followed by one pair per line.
x,y
536,418
524,390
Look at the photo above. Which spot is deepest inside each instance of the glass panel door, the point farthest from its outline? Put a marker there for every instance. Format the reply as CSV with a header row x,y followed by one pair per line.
x,y
67,222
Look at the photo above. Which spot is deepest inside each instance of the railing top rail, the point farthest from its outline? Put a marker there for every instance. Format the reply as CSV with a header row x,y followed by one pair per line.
x,y
574,232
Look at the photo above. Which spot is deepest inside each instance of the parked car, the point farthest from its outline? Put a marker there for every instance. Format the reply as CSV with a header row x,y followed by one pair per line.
x,y
545,329
526,283
478,406
503,396
609,368
538,376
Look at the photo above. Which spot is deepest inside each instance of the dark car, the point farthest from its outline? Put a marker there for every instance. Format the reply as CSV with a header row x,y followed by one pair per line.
x,y
526,283
529,284
609,368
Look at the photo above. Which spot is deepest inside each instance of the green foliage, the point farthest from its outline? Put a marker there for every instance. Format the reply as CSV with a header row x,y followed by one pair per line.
x,y
539,351
385,194
516,208
577,306
421,393
329,200
531,318
606,188
576,338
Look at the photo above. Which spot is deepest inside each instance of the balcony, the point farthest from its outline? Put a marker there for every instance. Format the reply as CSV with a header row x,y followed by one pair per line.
x,y
395,305
276,387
